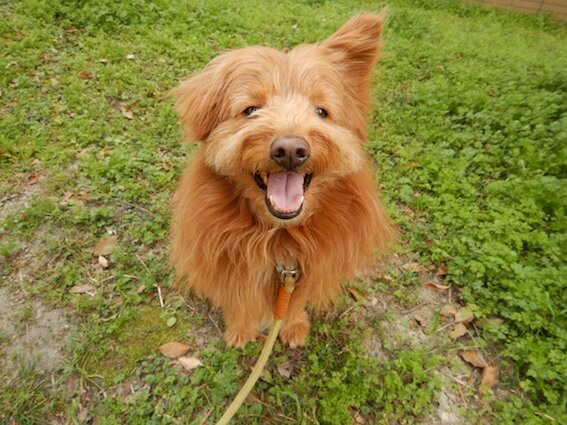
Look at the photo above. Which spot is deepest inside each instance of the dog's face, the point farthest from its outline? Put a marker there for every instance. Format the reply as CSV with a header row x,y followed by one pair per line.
x,y
283,126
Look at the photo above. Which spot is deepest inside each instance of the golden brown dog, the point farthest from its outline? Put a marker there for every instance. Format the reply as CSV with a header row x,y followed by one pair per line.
x,y
280,176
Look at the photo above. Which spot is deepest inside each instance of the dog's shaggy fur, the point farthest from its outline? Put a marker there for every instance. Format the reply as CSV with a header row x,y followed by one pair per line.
x,y
228,234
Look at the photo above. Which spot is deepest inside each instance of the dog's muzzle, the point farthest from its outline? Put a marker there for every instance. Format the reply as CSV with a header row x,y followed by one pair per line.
x,y
285,190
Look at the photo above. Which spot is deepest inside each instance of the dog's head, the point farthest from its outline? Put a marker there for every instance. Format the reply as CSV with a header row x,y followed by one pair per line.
x,y
283,126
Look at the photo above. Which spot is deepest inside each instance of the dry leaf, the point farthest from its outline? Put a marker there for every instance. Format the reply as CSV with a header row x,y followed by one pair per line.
x,y
412,164
173,350
72,31
448,310
413,267
103,262
126,112
489,378
356,293
441,270
82,289
85,75
437,286
464,315
105,245
419,318
69,198
473,357
66,198
190,363
35,178
359,419
284,369
458,330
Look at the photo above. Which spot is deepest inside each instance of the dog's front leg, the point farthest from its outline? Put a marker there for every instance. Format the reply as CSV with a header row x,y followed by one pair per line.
x,y
242,322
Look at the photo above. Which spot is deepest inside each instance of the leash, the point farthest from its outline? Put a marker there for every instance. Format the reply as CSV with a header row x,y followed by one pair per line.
x,y
288,278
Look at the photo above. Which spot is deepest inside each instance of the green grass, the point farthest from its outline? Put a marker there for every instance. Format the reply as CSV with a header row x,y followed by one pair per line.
x,y
31,400
470,137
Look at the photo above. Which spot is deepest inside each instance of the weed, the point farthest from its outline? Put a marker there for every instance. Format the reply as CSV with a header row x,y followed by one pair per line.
x,y
31,400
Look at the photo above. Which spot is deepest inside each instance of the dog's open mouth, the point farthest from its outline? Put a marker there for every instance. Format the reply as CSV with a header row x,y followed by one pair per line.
x,y
284,192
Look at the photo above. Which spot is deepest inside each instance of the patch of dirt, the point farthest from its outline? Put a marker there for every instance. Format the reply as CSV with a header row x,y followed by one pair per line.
x,y
15,202
448,407
32,333
374,347
419,326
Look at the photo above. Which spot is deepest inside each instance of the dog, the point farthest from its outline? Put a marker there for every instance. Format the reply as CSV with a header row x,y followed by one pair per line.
x,y
280,177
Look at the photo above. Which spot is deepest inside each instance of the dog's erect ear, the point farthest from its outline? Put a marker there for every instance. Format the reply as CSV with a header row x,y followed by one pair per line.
x,y
354,47
199,101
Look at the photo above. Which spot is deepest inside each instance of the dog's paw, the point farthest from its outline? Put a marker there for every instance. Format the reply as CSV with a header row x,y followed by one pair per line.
x,y
237,337
294,335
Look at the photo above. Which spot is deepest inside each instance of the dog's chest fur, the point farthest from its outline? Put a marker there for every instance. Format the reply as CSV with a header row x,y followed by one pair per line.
x,y
222,241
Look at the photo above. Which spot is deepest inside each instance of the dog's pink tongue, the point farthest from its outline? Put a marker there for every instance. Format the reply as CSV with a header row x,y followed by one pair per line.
x,y
285,191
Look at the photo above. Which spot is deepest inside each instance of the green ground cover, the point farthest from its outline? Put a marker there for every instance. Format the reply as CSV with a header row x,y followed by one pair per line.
x,y
470,138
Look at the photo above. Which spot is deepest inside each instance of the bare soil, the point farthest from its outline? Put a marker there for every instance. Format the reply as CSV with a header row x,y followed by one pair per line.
x,y
34,334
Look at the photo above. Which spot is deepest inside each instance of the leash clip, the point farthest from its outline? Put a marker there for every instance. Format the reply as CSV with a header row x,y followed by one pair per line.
x,y
288,276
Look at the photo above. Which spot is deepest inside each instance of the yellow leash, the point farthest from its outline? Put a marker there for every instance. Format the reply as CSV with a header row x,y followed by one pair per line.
x,y
288,278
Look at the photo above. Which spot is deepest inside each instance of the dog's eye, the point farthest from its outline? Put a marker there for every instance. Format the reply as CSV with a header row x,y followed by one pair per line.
x,y
250,110
322,112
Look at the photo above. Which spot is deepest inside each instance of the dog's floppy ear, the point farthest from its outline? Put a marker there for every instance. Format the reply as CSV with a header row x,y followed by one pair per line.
x,y
354,47
199,101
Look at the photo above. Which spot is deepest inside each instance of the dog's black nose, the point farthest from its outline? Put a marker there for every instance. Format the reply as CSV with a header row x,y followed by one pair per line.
x,y
289,152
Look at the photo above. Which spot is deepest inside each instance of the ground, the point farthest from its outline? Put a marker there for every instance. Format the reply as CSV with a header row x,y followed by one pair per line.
x,y
468,134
